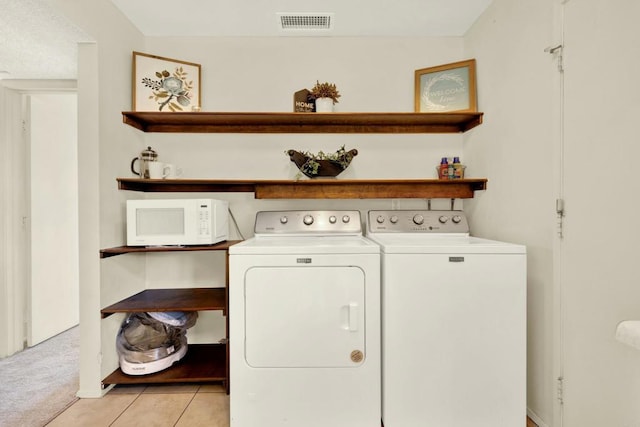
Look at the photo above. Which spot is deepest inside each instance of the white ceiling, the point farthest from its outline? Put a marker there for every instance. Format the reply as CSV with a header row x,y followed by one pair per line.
x,y
38,43
258,18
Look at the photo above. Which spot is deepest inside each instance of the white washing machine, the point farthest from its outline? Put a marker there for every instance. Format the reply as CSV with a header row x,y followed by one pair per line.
x,y
453,323
304,323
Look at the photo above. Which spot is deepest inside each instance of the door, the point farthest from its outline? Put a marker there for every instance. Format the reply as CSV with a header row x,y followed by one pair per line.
x,y
53,163
304,317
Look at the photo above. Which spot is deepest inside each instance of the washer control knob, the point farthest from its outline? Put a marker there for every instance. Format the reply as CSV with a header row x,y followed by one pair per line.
x,y
284,220
443,219
346,219
380,219
394,219
456,219
308,220
418,219
332,219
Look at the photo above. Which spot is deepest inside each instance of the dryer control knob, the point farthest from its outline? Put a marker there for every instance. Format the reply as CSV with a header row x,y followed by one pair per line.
x,y
380,219
284,220
456,219
332,219
418,219
393,219
308,220
346,219
443,219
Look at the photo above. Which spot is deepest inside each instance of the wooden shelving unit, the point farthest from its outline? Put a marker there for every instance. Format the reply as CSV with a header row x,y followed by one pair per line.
x,y
361,123
210,122
316,188
203,362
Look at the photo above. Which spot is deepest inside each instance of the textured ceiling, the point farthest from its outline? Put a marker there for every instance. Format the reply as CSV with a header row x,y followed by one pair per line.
x,y
36,42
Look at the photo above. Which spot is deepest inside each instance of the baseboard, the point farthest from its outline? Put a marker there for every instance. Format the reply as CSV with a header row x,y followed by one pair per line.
x,y
535,418
91,394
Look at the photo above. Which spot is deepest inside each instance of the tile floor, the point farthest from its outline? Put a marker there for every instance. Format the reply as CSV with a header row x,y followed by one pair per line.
x,y
191,405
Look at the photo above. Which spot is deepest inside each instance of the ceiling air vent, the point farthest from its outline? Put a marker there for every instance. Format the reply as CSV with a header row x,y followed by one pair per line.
x,y
303,22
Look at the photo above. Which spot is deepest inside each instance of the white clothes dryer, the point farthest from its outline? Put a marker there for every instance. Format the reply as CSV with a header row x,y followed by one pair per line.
x,y
453,323
304,323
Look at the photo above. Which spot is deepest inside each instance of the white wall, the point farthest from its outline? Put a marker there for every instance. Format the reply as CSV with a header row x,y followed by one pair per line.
x,y
261,74
514,149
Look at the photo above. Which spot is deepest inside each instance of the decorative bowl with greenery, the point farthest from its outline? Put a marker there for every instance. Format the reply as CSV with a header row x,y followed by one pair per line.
x,y
322,164
325,90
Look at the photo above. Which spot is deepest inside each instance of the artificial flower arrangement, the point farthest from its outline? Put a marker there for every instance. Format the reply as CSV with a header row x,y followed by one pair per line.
x,y
325,90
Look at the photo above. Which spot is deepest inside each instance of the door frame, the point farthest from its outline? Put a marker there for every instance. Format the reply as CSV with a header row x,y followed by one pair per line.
x,y
14,208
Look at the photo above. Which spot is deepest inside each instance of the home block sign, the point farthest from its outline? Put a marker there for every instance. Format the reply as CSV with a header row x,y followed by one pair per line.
x,y
302,103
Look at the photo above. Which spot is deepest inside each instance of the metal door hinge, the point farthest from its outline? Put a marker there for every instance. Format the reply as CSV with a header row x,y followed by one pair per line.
x,y
560,215
560,390
557,51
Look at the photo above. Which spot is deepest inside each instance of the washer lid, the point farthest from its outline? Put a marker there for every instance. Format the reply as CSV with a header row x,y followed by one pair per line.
x,y
442,244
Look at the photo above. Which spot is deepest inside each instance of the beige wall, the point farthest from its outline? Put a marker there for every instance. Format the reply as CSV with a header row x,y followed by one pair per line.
x,y
103,152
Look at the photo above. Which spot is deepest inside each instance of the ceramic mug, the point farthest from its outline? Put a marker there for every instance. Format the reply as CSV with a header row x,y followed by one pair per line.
x,y
157,170
171,171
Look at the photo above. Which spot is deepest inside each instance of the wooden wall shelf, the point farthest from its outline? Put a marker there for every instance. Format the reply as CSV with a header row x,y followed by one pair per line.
x,y
120,250
316,188
209,122
187,299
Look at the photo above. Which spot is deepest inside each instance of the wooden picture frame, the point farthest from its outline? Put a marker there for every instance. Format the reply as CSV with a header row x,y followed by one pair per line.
x,y
164,84
446,88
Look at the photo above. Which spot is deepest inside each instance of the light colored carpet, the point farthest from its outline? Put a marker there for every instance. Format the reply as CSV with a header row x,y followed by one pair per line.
x,y
39,382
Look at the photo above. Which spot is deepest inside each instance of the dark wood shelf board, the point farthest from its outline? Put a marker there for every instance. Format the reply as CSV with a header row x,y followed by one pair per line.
x,y
120,250
202,363
369,189
229,122
187,299
317,188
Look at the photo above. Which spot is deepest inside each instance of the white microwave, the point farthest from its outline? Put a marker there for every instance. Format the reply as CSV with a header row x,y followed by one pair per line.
x,y
177,222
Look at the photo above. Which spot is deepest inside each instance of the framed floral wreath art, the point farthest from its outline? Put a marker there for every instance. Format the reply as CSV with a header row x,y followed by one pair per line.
x,y
445,88
164,84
